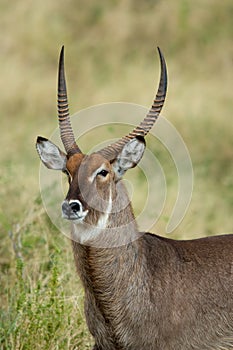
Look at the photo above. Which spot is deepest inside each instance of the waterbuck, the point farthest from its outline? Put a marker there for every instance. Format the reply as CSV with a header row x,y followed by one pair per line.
x,y
142,291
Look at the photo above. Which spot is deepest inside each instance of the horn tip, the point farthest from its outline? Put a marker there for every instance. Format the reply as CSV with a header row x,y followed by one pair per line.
x,y
62,52
163,67
160,53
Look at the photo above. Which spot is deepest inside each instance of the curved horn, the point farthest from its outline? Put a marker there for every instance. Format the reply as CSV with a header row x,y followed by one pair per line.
x,y
66,132
110,152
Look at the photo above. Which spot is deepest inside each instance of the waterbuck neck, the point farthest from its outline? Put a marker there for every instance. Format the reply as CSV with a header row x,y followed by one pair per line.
x,y
113,228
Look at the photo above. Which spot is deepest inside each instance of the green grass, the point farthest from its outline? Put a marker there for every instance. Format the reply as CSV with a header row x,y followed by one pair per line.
x,y
110,56
42,298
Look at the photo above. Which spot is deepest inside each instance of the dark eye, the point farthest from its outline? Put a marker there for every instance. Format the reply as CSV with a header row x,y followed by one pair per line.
x,y
103,173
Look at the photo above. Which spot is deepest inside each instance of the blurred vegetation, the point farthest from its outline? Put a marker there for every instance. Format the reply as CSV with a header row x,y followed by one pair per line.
x,y
110,56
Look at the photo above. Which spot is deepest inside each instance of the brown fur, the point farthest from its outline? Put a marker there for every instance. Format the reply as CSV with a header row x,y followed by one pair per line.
x,y
142,291
160,294
155,293
73,163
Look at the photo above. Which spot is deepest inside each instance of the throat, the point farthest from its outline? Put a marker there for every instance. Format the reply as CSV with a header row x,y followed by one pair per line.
x,y
104,218
114,227
107,233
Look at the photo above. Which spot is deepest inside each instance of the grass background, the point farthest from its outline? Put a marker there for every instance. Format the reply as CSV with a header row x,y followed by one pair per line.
x,y
110,56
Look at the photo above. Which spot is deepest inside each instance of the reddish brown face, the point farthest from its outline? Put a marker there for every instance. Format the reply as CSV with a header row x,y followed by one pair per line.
x,y
93,180
92,186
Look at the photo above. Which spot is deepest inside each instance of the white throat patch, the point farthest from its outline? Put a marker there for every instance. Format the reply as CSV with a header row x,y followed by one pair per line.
x,y
103,220
85,233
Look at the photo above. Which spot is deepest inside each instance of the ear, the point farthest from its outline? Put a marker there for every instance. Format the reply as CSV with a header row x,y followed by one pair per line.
x,y
129,157
50,154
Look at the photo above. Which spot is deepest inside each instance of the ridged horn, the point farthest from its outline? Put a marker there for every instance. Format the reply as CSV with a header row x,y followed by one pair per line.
x,y
66,132
110,152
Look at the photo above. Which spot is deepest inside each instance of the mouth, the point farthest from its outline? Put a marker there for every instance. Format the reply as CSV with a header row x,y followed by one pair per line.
x,y
75,217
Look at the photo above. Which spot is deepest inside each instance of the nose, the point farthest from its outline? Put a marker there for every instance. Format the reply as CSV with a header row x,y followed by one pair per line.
x,y
73,210
75,206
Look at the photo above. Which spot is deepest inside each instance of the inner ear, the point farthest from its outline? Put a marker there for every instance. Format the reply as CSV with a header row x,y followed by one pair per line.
x,y
130,156
50,154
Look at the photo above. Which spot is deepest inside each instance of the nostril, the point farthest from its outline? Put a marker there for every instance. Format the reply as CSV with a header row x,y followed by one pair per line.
x,y
75,206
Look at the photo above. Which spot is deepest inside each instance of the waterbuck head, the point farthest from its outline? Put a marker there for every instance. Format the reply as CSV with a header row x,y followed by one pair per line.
x,y
94,186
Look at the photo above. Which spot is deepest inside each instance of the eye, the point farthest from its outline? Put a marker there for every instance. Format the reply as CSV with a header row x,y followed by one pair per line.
x,y
103,173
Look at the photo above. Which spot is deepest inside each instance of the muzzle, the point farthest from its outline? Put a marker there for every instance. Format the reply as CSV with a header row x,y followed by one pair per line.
x,y
73,210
